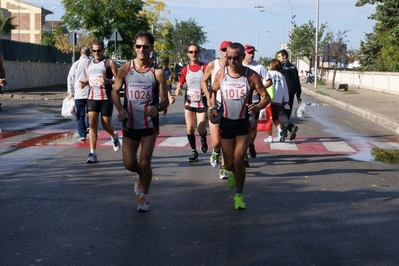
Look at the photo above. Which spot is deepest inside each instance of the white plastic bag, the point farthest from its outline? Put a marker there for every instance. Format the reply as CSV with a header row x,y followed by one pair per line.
x,y
262,114
68,108
300,110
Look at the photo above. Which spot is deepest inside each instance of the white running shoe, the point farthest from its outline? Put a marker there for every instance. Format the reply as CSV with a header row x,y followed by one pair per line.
x,y
92,158
214,159
223,173
143,205
115,142
137,186
269,139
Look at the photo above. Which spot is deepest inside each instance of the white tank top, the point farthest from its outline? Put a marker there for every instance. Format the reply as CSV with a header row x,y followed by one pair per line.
x,y
194,96
140,95
98,91
235,93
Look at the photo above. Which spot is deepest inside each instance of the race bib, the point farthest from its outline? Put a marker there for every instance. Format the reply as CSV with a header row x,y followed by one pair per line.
x,y
94,80
194,95
234,90
139,91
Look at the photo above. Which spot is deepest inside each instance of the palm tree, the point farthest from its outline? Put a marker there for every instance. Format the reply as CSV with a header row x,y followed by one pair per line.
x,y
6,25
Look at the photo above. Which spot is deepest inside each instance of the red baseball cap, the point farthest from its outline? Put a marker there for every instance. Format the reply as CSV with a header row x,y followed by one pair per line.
x,y
224,44
249,48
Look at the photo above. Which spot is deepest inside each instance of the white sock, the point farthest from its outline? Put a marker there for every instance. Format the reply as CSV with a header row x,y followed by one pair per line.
x,y
93,151
145,196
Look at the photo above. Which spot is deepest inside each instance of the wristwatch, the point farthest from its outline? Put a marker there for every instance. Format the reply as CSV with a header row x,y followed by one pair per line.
x,y
158,107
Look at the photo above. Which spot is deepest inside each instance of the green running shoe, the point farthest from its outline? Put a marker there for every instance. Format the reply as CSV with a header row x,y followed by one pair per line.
x,y
223,173
214,160
239,203
231,180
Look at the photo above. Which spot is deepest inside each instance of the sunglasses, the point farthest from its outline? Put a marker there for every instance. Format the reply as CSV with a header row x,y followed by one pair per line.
x,y
144,46
97,51
234,58
193,52
223,50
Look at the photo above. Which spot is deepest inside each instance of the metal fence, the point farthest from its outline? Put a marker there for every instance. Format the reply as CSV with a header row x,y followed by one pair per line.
x,y
21,51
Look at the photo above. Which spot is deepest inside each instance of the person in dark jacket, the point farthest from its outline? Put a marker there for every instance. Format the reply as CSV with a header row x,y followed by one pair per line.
x,y
290,73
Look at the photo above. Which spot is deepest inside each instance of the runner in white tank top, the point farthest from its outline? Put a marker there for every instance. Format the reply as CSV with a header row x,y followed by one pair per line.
x,y
195,100
209,76
100,73
141,111
237,84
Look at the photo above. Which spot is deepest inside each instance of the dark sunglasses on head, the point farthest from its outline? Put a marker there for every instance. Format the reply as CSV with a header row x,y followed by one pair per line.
x,y
223,50
193,52
144,46
234,58
97,51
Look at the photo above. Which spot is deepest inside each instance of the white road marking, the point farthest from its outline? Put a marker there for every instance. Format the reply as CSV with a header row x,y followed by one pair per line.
x,y
386,145
333,145
285,146
174,142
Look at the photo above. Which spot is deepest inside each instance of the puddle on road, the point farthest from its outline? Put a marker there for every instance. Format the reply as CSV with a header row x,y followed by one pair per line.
x,y
39,137
363,144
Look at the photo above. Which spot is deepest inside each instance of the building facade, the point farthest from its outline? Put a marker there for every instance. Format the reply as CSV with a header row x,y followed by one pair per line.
x,y
30,20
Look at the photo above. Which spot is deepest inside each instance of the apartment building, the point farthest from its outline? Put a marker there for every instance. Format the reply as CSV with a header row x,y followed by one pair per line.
x,y
31,20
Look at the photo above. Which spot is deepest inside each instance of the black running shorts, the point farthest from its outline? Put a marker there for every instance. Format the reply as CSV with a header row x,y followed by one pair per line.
x,y
229,129
136,134
103,106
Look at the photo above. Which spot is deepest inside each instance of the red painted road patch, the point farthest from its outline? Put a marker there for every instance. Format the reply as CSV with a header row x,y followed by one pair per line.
x,y
174,141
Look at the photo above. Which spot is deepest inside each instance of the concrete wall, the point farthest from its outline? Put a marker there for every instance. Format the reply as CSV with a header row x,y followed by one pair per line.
x,y
21,75
387,82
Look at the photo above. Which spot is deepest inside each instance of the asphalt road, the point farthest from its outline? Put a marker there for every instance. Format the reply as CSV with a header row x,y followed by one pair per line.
x,y
304,207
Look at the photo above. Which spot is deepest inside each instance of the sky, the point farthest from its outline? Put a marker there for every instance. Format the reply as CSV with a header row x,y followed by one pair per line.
x,y
240,21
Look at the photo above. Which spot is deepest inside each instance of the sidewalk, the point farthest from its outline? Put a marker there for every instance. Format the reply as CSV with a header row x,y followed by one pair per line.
x,y
381,108
57,92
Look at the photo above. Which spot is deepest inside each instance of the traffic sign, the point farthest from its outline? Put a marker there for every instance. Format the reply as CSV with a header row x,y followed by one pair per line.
x,y
115,36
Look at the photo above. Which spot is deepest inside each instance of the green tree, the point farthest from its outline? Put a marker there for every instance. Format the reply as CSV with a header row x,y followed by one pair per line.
x,y
159,25
386,37
101,18
369,53
47,38
302,41
181,35
6,25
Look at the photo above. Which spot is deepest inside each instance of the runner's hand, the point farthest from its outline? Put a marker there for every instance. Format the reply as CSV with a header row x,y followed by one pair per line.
x,y
122,115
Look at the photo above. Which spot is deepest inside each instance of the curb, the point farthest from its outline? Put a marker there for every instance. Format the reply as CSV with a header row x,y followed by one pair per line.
x,y
374,117
27,96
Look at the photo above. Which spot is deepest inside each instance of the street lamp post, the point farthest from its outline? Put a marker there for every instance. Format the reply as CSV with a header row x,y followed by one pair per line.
x,y
291,18
19,17
257,33
316,46
278,37
52,22
282,23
